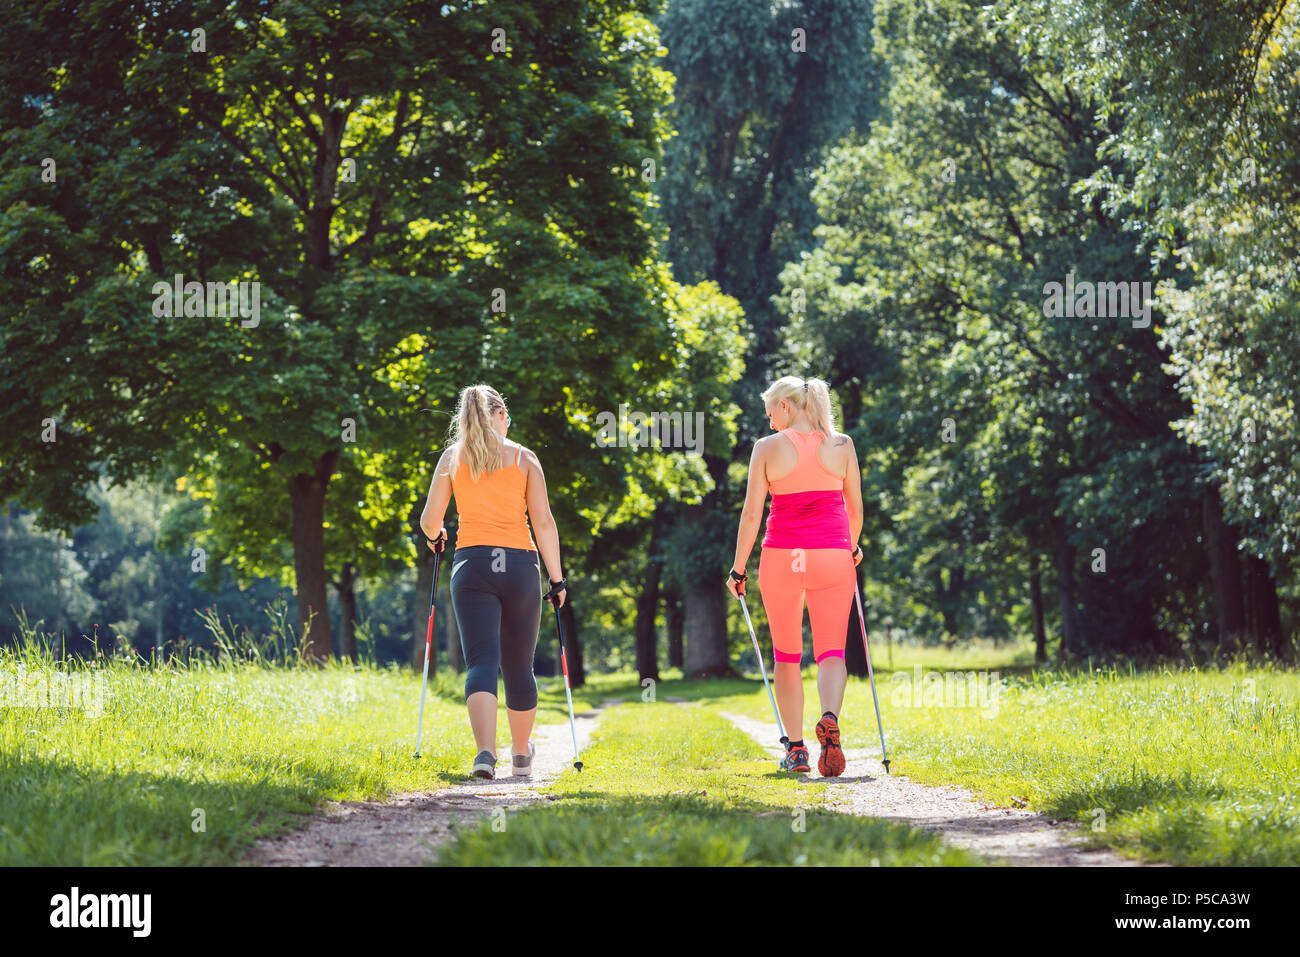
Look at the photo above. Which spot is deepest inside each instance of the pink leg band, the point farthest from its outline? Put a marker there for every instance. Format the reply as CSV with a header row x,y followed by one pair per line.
x,y
838,653
787,656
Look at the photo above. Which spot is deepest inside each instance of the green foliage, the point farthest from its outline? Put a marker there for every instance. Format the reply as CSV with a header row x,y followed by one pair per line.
x,y
1203,99
377,296
989,430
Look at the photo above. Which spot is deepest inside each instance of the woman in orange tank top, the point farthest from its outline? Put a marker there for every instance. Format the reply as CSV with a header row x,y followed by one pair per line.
x,y
808,554
496,591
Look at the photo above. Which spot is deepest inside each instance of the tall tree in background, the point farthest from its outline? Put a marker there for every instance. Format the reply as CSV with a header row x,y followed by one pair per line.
x,y
401,183
762,90
994,429
1205,103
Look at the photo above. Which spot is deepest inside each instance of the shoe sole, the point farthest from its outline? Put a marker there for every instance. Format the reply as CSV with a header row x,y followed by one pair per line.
x,y
831,761
483,773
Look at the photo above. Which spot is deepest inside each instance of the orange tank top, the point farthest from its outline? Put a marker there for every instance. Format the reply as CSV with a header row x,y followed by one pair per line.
x,y
493,510
809,474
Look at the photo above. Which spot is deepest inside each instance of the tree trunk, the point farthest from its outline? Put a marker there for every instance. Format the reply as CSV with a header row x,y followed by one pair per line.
x,y
455,656
674,622
1036,596
420,612
949,597
1225,573
1063,556
59,603
704,594
307,499
647,602
160,583
159,606
706,630
572,645
346,588
1265,614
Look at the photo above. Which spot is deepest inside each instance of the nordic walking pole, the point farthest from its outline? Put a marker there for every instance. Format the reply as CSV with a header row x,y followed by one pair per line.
x,y
785,741
428,641
857,596
551,596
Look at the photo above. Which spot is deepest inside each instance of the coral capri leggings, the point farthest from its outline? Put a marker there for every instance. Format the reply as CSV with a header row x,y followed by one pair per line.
x,y
823,576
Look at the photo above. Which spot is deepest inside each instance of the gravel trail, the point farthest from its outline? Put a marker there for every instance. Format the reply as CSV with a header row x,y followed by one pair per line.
x,y
408,828
1002,835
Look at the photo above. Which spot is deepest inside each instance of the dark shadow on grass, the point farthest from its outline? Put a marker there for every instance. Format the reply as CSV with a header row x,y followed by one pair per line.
x,y
1133,795
844,778
59,813
589,828
327,780
1183,833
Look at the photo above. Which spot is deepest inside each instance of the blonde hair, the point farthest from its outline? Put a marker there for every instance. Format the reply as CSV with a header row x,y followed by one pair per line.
x,y
471,435
810,396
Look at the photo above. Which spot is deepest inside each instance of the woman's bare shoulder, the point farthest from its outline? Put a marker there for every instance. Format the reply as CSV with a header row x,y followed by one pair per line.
x,y
527,457
447,458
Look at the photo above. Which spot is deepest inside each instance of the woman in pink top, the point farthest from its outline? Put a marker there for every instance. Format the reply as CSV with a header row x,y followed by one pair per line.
x,y
808,553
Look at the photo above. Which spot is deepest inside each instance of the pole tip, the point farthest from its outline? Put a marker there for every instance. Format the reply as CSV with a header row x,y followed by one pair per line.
x,y
886,764
578,765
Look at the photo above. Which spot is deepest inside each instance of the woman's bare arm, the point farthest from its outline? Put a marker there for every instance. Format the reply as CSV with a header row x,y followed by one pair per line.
x,y
853,493
435,506
539,513
751,514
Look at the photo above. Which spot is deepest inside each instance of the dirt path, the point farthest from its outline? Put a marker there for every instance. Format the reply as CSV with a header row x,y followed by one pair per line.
x,y
407,829
1003,835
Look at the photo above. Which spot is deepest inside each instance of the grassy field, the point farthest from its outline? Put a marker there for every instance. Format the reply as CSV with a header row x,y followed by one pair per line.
x,y
237,748
666,784
190,765
1186,766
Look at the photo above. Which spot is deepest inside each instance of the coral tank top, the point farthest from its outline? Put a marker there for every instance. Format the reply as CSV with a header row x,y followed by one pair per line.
x,y
807,508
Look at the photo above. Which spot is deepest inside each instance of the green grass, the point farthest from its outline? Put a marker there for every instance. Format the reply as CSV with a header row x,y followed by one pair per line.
x,y
668,784
970,653
1190,767
1186,766
253,746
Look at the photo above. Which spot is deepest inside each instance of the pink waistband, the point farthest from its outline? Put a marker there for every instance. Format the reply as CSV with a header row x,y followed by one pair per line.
x,y
808,520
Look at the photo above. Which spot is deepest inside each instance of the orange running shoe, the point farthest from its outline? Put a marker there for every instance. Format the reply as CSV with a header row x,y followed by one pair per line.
x,y
831,761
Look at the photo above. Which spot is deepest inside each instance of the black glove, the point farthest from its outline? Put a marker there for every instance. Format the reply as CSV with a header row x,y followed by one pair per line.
x,y
556,588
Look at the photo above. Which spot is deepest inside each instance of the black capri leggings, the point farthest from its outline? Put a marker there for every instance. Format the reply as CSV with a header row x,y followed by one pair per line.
x,y
496,594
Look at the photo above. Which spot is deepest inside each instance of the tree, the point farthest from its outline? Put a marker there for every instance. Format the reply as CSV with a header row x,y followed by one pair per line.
x,y
1203,102
994,430
324,156
761,92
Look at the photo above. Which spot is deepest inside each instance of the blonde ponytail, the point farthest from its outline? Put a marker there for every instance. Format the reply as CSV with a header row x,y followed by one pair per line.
x,y
818,407
810,396
472,438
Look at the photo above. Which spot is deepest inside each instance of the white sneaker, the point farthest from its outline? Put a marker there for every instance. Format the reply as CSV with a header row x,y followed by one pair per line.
x,y
523,763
